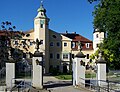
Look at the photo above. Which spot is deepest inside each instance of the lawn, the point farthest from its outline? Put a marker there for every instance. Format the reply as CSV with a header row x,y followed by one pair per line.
x,y
69,77
64,77
93,75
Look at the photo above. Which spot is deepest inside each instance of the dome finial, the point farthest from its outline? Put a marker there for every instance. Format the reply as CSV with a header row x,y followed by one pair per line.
x,y
41,7
41,2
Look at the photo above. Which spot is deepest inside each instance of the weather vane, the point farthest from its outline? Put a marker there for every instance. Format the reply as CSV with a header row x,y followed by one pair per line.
x,y
41,1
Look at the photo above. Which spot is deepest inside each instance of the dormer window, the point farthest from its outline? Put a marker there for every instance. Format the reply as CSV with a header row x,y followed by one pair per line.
x,y
73,45
87,45
54,36
65,44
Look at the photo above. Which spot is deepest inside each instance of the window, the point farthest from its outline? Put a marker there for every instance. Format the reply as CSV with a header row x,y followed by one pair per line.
x,y
96,35
41,25
87,56
87,45
51,44
97,45
73,45
58,44
42,14
51,55
65,44
65,56
58,56
54,36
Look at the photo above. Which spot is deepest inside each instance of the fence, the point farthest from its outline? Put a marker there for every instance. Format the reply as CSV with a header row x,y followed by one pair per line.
x,y
109,86
2,76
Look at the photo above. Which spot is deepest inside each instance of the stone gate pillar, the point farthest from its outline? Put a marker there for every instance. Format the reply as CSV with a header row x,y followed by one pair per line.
x,y
101,70
10,75
37,63
79,69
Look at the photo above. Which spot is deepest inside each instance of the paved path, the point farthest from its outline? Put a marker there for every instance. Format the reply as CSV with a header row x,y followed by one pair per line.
x,y
56,85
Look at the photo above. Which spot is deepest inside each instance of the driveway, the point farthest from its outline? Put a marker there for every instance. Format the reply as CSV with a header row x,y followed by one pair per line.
x,y
55,85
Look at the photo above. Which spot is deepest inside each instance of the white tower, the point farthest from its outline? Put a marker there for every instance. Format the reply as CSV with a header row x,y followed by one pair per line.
x,y
41,32
97,38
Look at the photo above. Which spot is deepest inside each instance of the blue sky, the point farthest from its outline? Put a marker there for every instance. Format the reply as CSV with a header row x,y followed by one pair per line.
x,y
70,15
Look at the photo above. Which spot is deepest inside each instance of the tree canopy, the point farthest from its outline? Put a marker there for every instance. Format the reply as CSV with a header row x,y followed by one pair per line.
x,y
107,19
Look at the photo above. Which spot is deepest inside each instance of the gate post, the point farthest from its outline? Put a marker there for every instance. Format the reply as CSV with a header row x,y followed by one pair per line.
x,y
101,70
37,63
10,74
79,68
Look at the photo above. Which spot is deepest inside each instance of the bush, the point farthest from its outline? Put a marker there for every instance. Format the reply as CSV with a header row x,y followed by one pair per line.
x,y
54,71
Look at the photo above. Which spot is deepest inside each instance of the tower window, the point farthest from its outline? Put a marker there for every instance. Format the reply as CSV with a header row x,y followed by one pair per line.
x,y
42,14
87,56
97,45
41,25
96,35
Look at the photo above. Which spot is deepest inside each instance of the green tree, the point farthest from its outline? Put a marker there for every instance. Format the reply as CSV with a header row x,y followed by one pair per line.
x,y
7,34
107,19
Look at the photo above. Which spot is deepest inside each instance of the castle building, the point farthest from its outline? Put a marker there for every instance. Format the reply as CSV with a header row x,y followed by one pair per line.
x,y
58,48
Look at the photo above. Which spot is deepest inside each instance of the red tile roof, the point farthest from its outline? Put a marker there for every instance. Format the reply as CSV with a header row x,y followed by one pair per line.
x,y
76,37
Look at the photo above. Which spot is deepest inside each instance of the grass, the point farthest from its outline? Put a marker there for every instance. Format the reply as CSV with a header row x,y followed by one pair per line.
x,y
69,77
64,77
90,75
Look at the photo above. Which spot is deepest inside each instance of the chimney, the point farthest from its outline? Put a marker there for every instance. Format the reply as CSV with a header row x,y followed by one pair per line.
x,y
66,31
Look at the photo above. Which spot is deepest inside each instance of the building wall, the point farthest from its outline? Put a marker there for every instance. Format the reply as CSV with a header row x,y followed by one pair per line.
x,y
85,52
98,38
55,48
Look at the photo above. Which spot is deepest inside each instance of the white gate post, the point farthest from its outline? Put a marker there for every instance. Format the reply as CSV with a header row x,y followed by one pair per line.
x,y
10,74
79,69
101,70
37,63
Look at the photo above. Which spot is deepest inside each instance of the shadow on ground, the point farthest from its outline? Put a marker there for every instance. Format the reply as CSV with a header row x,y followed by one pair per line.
x,y
51,84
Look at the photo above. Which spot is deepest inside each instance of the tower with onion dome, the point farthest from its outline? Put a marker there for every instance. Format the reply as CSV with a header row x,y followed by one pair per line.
x,y
41,32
